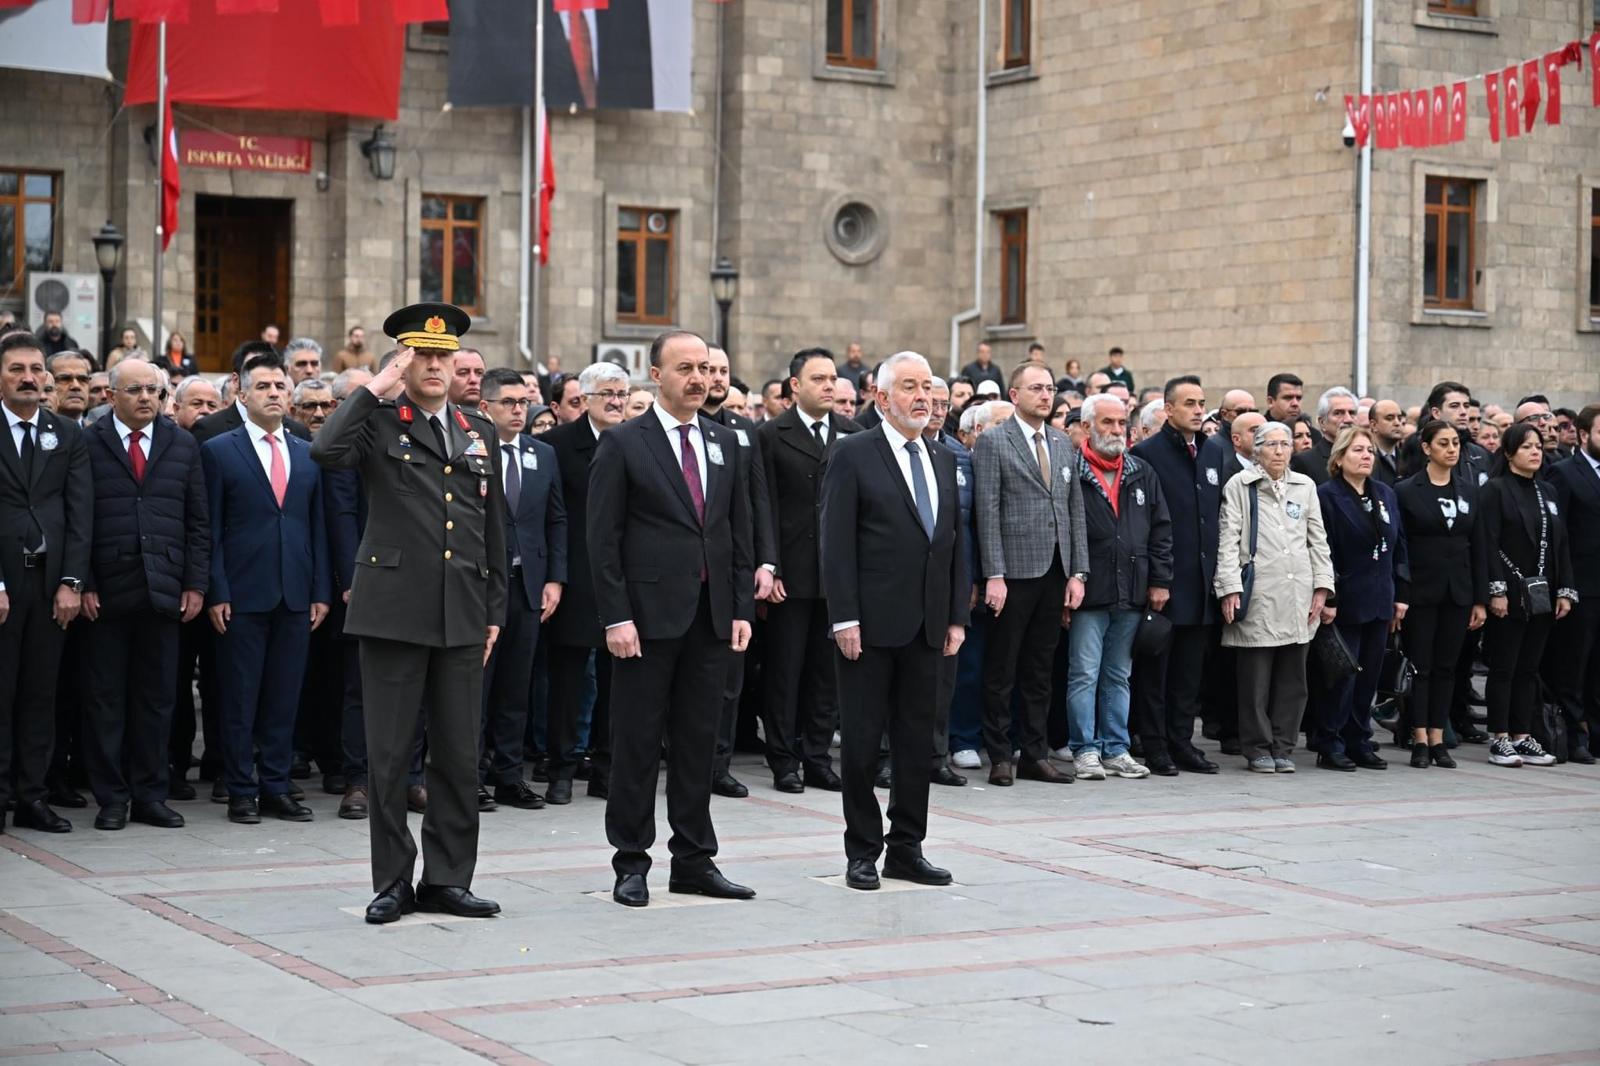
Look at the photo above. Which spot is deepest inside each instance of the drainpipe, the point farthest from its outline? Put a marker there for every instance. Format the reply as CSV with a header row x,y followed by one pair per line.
x,y
972,313
1364,215
525,241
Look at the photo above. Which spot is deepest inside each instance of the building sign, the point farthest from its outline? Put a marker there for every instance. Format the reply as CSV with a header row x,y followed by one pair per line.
x,y
202,148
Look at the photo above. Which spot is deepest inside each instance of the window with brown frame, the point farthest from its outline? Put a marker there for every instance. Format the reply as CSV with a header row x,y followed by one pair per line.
x,y
1453,7
1016,28
452,251
1013,266
1594,253
646,278
853,33
1449,254
27,224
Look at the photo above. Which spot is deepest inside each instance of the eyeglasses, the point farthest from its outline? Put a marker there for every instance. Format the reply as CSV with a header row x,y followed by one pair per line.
x,y
608,396
316,405
1540,416
1039,390
73,377
510,404
941,405
140,390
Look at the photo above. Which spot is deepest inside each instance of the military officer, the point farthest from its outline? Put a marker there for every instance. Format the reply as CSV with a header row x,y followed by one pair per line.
x,y
427,603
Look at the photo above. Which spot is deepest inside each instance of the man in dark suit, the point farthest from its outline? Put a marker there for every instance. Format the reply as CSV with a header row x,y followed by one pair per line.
x,y
800,683
1336,409
598,58
751,457
233,416
1387,420
46,499
536,566
149,569
269,589
941,773
1569,663
894,572
427,602
671,549
573,636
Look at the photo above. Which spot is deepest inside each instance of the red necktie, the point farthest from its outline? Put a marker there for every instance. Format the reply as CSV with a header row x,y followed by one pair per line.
x,y
279,476
136,455
1193,450
691,474
582,56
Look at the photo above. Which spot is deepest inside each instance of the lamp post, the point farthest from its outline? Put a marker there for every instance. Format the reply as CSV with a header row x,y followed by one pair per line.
x,y
108,254
379,150
724,289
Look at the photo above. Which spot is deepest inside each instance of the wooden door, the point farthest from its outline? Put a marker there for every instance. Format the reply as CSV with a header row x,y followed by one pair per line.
x,y
241,274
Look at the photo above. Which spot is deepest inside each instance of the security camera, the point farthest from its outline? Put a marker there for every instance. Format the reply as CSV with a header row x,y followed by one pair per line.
x,y
1349,134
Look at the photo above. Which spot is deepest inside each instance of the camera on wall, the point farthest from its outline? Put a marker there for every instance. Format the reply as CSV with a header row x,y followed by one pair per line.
x,y
1349,134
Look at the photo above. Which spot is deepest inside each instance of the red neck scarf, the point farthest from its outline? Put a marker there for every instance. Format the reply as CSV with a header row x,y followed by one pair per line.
x,y
1109,474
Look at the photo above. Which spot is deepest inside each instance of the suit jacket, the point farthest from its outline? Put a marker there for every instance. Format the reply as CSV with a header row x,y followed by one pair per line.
x,y
228,419
964,492
795,466
647,549
1193,491
537,531
1386,468
1509,507
60,495
1023,524
1444,540
344,509
879,567
624,76
263,555
1370,562
576,622
431,569
1313,462
1577,487
751,455
152,538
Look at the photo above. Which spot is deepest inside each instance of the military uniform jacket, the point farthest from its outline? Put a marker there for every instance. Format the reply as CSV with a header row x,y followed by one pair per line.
x,y
431,568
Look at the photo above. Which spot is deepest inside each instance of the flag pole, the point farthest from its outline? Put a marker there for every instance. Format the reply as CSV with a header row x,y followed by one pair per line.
x,y
161,174
538,121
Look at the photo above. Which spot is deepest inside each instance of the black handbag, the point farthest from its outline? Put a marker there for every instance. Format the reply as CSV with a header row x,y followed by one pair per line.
x,y
1396,675
1536,589
1154,633
1335,662
1247,572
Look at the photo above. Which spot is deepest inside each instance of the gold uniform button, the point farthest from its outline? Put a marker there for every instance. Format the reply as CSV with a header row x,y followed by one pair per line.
x,y
447,470
449,525
448,497
447,553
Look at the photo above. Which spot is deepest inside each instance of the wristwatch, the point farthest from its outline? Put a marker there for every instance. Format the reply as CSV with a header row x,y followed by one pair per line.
x,y
1080,577
72,583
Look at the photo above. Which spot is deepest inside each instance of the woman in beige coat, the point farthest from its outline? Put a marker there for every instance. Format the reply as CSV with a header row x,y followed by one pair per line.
x,y
1293,579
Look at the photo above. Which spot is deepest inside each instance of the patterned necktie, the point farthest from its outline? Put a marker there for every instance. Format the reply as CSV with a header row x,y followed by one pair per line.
x,y
919,488
582,57
1044,456
513,478
1194,450
279,476
691,474
136,455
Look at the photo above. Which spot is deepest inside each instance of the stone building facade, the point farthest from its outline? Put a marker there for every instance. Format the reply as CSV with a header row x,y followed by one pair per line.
x,y
1165,177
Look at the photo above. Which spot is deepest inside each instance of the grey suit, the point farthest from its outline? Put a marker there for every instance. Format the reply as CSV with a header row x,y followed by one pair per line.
x,y
1032,534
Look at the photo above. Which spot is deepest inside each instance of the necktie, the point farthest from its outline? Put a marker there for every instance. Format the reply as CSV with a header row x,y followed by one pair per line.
x,y
582,56
1193,450
35,534
136,455
438,435
816,431
919,488
278,475
1044,456
513,477
691,473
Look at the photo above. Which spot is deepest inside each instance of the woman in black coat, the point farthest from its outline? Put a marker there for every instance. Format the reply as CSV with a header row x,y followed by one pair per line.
x,y
1449,584
1525,540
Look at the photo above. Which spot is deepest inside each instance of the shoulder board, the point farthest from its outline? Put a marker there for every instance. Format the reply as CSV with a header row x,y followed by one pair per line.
x,y
472,412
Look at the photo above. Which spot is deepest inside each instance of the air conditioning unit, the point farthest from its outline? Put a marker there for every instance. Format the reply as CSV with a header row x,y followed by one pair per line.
x,y
76,297
634,358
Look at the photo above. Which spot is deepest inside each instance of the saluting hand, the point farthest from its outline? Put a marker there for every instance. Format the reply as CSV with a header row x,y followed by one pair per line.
x,y
391,375
741,636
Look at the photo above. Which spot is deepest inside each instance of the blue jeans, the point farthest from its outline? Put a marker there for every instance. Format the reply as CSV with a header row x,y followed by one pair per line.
x,y
1101,650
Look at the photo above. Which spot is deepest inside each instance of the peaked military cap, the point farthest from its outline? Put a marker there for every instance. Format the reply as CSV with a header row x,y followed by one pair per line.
x,y
435,326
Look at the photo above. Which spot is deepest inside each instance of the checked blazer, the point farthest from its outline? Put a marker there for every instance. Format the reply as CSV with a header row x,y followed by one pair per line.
x,y
1022,523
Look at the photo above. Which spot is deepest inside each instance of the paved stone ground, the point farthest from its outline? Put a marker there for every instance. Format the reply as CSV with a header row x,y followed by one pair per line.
x,y
1408,916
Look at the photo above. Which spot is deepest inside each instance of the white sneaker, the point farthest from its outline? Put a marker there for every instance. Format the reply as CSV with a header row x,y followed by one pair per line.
x,y
966,759
1087,766
1124,766
1501,753
1532,754
1063,754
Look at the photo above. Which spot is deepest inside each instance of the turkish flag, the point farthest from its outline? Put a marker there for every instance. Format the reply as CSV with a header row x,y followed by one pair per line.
x,y
170,189
1530,94
1391,122
1513,99
1553,62
1421,108
1408,129
1358,112
87,11
1594,64
168,11
1458,113
547,190
1441,115
246,7
1491,90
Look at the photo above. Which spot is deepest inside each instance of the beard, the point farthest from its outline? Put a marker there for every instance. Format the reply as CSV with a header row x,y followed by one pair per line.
x,y
1108,447
717,394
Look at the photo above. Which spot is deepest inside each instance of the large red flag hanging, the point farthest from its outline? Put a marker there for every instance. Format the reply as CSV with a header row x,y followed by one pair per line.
x,y
547,191
170,189
1458,112
1594,64
1553,62
1530,94
1491,92
1513,99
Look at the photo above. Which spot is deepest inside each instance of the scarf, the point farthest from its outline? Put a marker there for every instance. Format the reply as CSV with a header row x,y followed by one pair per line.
x,y
1109,473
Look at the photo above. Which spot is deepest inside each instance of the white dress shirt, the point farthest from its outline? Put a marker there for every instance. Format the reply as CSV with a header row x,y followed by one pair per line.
x,y
902,458
670,424
123,432
258,440
807,421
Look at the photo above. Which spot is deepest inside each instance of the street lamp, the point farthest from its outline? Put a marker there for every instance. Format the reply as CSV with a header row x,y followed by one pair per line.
x,y
724,288
379,150
108,254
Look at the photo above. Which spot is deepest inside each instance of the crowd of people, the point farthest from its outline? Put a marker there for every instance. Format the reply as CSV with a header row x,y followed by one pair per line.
x,y
1098,570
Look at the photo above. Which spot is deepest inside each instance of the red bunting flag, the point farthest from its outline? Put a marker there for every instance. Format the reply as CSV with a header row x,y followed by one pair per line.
x,y
1358,112
1421,114
1530,94
87,11
1594,64
1553,63
1408,129
1441,115
1392,122
1513,97
1491,91
1458,112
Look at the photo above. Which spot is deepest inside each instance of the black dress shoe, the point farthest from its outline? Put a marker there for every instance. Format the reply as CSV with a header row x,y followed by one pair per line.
x,y
708,882
244,810
66,797
1472,735
520,795
1369,760
1035,770
157,814
486,802
788,782
884,779
559,792
416,799
861,874
631,891
112,816
333,784
1231,746
1000,775
1580,754
914,867
943,775
391,904
219,791
300,768
38,815
539,770
823,778
354,805
453,899
285,808
725,784
599,788
1337,761
179,789
1193,760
